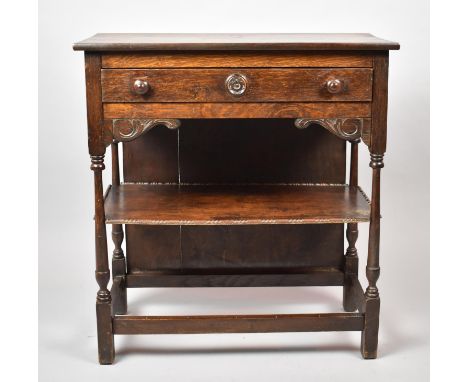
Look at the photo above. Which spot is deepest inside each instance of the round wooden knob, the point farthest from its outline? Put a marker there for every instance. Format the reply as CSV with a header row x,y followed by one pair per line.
x,y
141,87
236,84
335,86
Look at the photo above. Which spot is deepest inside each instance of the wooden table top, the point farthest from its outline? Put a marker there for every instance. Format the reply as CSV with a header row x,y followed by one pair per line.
x,y
229,41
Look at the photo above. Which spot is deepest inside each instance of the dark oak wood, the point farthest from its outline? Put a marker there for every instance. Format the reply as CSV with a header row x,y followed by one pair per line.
x,y
357,296
235,204
223,151
96,148
153,248
351,258
241,277
229,141
378,137
371,328
235,151
206,248
262,85
265,246
122,42
236,60
119,294
237,110
95,116
152,159
318,322
377,149
105,333
103,299
119,267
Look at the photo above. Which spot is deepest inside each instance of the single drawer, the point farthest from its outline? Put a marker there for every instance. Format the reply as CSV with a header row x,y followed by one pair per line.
x,y
236,85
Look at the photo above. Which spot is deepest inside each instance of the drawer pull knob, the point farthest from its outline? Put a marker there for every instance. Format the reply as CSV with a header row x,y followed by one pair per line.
x,y
141,87
335,86
236,84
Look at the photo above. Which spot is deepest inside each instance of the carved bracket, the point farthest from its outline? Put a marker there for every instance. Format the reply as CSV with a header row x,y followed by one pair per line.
x,y
350,129
125,130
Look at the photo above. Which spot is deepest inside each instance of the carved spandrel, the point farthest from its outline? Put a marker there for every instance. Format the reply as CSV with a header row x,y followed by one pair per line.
x,y
125,130
350,129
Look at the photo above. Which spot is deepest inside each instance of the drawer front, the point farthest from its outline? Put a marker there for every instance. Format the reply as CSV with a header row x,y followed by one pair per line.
x,y
236,85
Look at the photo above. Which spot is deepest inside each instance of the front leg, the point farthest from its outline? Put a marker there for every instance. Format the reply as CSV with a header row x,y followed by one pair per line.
x,y
369,339
103,299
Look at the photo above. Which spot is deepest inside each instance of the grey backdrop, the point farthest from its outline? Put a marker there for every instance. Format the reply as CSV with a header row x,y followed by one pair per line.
x,y
67,331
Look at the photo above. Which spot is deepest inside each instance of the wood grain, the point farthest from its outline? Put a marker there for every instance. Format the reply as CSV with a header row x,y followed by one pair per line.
x,y
119,267
230,234
378,140
235,151
285,247
234,205
357,294
238,324
351,263
315,276
102,273
236,60
104,42
119,295
153,248
246,151
196,249
237,110
370,331
208,85
105,333
369,337
155,158
379,104
96,144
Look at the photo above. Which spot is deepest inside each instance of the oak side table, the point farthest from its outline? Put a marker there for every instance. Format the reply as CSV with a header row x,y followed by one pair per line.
x,y
234,172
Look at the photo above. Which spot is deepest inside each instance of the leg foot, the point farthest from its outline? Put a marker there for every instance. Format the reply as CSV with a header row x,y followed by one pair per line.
x,y
104,333
370,333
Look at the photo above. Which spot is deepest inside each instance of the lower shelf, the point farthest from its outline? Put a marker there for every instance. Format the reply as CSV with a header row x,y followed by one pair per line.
x,y
238,323
235,204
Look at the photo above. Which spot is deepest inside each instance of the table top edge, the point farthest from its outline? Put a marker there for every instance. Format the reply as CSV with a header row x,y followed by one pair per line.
x,y
131,42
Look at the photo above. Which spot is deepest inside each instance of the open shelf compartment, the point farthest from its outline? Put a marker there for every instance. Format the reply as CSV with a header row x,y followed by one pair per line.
x,y
156,204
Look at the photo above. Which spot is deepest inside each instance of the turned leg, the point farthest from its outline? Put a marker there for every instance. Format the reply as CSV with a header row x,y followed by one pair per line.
x,y
351,261
369,339
350,268
103,299
119,266
119,290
